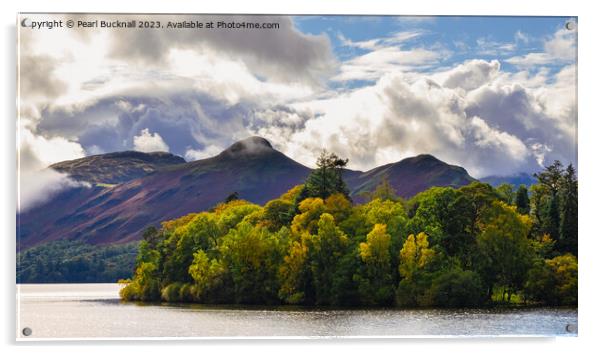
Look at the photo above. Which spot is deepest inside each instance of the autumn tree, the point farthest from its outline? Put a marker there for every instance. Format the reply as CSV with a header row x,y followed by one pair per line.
x,y
252,255
553,281
415,257
444,247
211,278
325,250
295,274
374,278
278,213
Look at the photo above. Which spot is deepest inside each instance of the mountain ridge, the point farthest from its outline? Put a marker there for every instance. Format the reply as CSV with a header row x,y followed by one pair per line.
x,y
251,167
103,168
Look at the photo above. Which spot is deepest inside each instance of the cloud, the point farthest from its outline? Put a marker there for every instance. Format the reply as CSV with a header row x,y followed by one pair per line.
x,y
39,151
38,78
282,54
149,142
385,55
471,74
490,47
559,49
379,43
39,187
521,37
473,114
195,92
209,151
36,183
375,64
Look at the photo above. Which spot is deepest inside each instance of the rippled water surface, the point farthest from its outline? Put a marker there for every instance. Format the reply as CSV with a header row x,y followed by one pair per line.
x,y
94,310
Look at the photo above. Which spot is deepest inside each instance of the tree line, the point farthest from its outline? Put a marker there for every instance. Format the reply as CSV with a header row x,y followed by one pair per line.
x,y
66,261
445,247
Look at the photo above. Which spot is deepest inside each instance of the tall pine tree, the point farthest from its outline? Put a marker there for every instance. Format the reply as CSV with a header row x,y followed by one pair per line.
x,y
568,213
521,200
326,179
551,179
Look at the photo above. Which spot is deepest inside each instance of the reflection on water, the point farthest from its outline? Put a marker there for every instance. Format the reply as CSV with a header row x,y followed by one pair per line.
x,y
94,310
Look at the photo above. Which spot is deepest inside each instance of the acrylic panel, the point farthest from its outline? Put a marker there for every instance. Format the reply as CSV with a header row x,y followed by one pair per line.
x,y
244,176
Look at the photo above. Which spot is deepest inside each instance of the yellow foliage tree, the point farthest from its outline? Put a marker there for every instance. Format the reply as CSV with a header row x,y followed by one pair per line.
x,y
414,255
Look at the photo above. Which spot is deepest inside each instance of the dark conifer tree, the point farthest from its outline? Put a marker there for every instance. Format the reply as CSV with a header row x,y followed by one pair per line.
x,y
522,200
568,213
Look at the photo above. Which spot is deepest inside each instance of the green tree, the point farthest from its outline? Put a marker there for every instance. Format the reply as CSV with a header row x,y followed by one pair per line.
x,y
384,191
374,276
307,218
505,249
455,288
232,197
278,213
338,206
506,192
415,257
449,217
145,285
521,200
325,250
553,281
152,236
327,178
295,274
252,255
569,212
211,278
551,179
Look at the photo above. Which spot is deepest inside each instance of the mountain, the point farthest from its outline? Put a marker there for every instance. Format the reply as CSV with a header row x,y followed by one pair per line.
x,y
515,180
121,203
111,214
117,167
411,176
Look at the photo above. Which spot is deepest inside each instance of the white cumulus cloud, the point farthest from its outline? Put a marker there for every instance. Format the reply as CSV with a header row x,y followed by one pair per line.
x,y
149,142
559,49
196,154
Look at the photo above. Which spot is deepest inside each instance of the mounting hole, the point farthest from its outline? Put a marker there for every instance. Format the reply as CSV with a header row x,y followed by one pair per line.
x,y
571,328
570,25
27,331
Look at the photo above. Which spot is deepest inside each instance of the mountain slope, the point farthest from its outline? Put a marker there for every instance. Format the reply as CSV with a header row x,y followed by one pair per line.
x,y
515,180
411,176
251,167
117,167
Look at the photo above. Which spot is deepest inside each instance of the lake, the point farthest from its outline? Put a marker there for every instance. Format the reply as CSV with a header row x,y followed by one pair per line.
x,y
94,310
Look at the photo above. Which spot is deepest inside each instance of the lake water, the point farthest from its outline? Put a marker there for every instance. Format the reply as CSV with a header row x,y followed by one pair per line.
x,y
94,310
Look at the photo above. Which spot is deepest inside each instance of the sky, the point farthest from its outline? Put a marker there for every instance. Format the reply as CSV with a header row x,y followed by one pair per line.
x,y
496,95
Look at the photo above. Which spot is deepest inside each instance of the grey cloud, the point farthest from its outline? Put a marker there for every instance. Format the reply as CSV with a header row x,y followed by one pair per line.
x,y
424,117
472,74
282,54
183,120
37,78
38,184
513,110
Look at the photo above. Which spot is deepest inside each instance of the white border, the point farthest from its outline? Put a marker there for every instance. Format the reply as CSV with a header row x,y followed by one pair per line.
x,y
589,166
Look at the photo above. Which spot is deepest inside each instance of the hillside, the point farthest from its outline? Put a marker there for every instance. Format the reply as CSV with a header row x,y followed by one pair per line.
x,y
515,180
411,176
171,188
117,167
